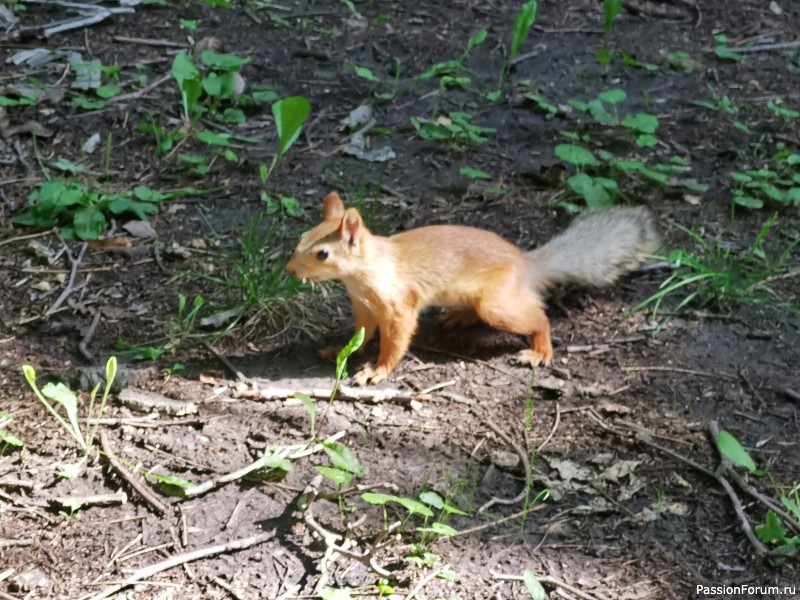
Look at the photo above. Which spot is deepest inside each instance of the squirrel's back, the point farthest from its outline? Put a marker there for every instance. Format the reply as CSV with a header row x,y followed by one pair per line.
x,y
597,248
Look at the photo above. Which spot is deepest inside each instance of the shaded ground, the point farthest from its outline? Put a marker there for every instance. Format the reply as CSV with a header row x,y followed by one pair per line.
x,y
624,519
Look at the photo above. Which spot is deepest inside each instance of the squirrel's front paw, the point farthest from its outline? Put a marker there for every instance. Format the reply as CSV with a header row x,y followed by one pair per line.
x,y
534,357
370,375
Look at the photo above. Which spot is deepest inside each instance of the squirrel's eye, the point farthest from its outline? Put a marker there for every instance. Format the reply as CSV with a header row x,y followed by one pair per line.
x,y
322,254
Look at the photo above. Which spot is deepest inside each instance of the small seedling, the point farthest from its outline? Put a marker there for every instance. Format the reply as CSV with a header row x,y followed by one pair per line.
x,y
290,114
58,397
721,103
756,187
457,129
523,22
7,439
722,51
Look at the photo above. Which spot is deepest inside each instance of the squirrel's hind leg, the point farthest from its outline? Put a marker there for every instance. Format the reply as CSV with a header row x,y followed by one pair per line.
x,y
459,318
518,311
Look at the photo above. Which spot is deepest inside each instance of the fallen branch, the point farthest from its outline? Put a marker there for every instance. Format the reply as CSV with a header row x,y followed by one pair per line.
x,y
182,559
138,486
523,456
290,452
346,392
74,262
545,579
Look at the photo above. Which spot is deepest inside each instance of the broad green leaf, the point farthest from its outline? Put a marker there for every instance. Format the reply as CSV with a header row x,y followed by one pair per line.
x,y
641,122
726,55
223,62
432,498
377,499
10,439
731,448
290,114
214,139
145,194
591,190
89,223
576,155
603,56
533,585
747,201
120,205
338,476
183,68
772,530
614,96
343,458
646,141
273,461
87,103
414,507
442,68
108,91
611,10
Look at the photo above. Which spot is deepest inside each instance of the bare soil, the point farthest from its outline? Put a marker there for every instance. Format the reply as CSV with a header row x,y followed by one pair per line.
x,y
624,519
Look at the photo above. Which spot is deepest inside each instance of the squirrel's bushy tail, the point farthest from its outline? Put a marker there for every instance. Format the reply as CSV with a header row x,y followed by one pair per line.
x,y
596,248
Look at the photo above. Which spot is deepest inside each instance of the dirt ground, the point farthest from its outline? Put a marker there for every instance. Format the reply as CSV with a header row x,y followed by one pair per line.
x,y
625,519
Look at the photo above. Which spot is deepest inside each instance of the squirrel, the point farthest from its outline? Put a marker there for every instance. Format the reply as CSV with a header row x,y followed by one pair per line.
x,y
476,274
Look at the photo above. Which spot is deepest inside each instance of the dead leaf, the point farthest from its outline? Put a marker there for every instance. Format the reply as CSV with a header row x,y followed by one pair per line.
x,y
140,229
112,243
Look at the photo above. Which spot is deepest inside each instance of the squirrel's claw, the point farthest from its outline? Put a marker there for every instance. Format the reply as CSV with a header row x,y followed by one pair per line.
x,y
533,358
370,375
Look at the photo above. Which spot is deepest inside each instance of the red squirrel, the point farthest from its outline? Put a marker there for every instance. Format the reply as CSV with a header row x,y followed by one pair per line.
x,y
475,273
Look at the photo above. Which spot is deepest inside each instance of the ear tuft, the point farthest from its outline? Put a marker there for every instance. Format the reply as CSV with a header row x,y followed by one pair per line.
x,y
332,206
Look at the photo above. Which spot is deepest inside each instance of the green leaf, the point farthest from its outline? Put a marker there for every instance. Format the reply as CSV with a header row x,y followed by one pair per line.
x,y
603,56
311,407
543,104
232,116
338,476
263,95
274,461
641,122
414,507
66,398
432,498
440,529
87,103
494,95
189,24
108,91
291,206
343,458
576,155
214,139
747,201
364,72
183,68
533,585
62,164
731,448
523,22
223,62
442,68
614,96
290,114
474,173
476,39
646,141
89,223
591,190
377,499
120,205
726,55
10,439
341,359
772,530
611,10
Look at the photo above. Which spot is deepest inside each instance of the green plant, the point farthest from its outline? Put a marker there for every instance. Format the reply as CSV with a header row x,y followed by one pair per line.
x,y
772,530
290,114
449,71
716,275
720,103
81,211
755,187
611,10
7,439
523,22
457,129
63,397
722,51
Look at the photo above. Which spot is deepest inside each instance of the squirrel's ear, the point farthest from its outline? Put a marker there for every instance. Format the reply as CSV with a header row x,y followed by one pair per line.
x,y
332,206
352,228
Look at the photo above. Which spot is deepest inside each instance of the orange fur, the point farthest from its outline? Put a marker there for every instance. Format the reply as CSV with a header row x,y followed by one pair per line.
x,y
476,273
